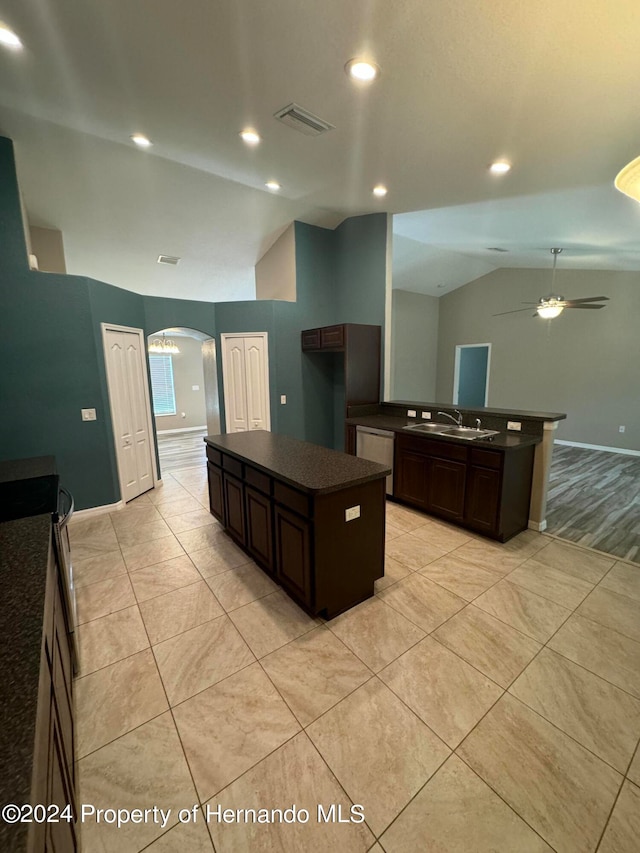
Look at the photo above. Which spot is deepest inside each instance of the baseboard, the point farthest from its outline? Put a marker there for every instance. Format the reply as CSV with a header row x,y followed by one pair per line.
x,y
80,514
185,429
621,450
540,526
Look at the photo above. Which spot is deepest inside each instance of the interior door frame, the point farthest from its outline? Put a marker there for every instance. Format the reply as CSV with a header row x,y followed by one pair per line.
x,y
456,370
114,327
225,371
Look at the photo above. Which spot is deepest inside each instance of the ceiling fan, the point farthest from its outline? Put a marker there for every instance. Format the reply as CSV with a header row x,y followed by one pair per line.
x,y
552,306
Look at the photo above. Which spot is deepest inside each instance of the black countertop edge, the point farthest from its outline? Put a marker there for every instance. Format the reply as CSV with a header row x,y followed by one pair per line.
x,y
502,441
307,467
505,413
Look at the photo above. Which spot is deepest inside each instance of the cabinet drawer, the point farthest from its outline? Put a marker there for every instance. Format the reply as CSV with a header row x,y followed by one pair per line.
x,y
291,498
257,479
332,336
486,458
433,448
233,466
214,456
310,339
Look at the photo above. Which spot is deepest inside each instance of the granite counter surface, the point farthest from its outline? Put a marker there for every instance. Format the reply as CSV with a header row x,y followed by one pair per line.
x,y
304,466
24,553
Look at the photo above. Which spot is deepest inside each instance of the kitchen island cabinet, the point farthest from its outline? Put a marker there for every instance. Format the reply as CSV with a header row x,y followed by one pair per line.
x,y
312,518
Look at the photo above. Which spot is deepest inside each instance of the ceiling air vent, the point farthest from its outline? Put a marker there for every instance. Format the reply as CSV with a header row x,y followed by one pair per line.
x,y
168,259
302,120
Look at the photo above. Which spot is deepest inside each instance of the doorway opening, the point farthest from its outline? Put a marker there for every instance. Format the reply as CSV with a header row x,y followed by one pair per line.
x,y
471,376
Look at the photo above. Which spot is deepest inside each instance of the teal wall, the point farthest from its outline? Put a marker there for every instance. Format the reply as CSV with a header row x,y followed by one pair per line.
x,y
52,354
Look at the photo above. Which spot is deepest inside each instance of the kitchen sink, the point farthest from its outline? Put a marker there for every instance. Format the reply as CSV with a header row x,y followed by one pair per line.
x,y
466,433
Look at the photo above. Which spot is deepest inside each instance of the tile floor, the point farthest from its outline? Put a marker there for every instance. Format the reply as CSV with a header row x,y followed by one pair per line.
x,y
486,699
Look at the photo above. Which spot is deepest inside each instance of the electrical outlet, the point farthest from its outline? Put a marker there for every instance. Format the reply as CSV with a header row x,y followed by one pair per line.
x,y
352,513
515,425
411,413
88,414
621,428
283,399
426,416
195,387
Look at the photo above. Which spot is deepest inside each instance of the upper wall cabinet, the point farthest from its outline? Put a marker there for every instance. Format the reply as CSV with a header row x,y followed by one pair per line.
x,y
361,347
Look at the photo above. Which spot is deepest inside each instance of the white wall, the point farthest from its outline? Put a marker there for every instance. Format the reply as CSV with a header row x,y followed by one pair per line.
x,y
414,346
187,372
276,269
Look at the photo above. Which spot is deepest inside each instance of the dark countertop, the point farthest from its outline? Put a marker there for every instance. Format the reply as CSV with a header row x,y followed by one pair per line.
x,y
304,466
24,553
507,413
502,441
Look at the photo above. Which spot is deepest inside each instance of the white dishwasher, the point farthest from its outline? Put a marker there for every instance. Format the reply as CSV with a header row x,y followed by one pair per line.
x,y
376,445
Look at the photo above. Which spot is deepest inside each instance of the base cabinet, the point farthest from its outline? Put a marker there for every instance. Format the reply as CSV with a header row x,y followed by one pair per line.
x,y
293,553
483,498
259,528
447,488
216,492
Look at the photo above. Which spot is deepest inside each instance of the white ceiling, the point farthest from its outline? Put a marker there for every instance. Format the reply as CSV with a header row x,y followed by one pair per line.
x,y
548,84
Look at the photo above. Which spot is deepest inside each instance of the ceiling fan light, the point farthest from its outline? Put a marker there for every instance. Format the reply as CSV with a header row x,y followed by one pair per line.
x,y
548,312
628,180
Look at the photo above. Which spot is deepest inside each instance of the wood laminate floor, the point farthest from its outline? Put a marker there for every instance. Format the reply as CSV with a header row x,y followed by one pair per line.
x,y
594,500
179,450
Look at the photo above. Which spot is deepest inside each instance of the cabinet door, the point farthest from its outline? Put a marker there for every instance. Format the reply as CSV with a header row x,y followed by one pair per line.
x,y
259,522
446,488
411,483
332,337
483,499
234,507
293,555
310,339
216,495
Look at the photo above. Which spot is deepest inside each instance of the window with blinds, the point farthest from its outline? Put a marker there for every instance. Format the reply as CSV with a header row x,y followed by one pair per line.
x,y
164,395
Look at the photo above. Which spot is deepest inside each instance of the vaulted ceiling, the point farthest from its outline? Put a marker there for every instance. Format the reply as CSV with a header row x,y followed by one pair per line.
x,y
547,84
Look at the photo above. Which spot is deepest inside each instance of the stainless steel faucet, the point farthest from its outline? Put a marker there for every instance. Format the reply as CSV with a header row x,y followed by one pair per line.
x,y
457,421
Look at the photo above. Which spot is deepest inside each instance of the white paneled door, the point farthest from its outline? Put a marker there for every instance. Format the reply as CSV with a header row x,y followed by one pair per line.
x,y
245,373
129,399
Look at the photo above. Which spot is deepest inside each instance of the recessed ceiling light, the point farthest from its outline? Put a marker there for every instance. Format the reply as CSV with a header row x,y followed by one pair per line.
x,y
8,37
360,69
272,185
380,190
500,167
250,136
141,140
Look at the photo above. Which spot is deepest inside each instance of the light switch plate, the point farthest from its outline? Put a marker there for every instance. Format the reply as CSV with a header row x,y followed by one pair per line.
x,y
352,513
411,413
283,399
88,414
195,387
514,425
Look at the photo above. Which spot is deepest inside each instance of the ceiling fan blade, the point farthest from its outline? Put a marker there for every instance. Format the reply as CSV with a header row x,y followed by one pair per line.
x,y
573,305
590,299
516,311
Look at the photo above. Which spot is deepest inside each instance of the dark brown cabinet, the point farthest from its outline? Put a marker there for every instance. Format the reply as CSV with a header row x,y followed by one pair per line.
x,y
216,493
485,490
234,507
259,528
293,554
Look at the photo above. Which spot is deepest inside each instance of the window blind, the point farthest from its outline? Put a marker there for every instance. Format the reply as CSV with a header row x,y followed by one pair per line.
x,y
164,396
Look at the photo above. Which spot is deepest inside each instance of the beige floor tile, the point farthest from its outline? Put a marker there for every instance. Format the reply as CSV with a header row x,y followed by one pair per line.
x,y
613,610
460,576
224,556
595,713
124,519
412,552
491,556
208,536
178,611
554,584
494,648
214,727
527,543
448,694
575,561
98,568
150,553
186,503
104,597
270,622
294,773
110,638
623,830
457,813
89,528
184,838
524,610
240,586
375,632
393,572
422,601
634,770
314,672
171,491
392,532
562,791
145,767
164,577
116,699
442,536
200,657
404,518
140,533
92,545
623,579
607,653
359,740
192,521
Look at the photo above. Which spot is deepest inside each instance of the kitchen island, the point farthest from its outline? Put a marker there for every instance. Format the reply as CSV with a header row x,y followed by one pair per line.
x,y
312,518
